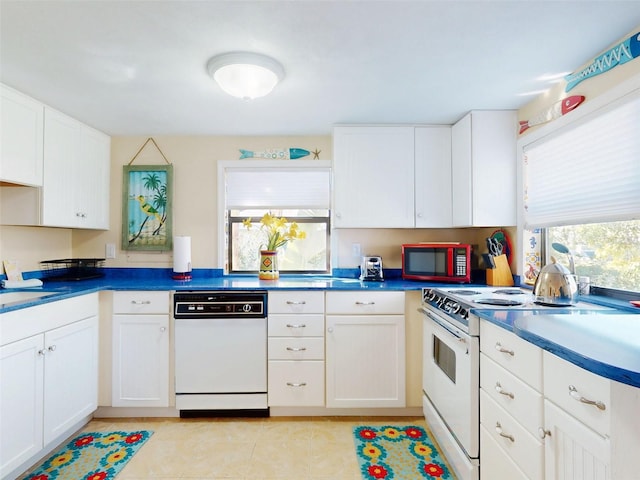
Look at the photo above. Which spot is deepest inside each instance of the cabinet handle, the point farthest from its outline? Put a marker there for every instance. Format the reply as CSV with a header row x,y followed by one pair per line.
x,y
299,325
291,302
42,352
501,391
501,349
296,349
301,384
330,329
502,434
543,433
365,303
576,396
141,302
51,348
163,329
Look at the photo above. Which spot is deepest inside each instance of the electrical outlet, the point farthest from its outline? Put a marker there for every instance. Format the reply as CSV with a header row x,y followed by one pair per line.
x,y
355,249
110,250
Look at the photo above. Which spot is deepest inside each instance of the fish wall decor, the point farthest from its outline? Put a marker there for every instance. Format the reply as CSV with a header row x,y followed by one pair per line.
x,y
561,107
276,154
623,52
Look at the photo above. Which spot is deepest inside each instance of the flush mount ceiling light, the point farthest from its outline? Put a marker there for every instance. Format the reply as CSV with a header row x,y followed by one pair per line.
x,y
245,75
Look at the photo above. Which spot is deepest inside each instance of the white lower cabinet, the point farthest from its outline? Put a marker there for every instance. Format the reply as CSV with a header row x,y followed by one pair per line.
x,y
48,377
140,348
365,349
296,349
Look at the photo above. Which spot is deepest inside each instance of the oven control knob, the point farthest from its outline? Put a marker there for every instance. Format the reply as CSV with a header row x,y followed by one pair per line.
x,y
464,313
456,308
431,295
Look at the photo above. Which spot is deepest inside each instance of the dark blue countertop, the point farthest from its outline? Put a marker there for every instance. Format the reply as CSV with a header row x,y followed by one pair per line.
x,y
605,342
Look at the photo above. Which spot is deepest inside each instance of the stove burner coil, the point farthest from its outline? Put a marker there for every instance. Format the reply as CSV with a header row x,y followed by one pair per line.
x,y
464,292
508,291
499,301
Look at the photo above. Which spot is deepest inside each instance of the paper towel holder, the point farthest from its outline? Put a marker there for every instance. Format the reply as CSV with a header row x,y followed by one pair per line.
x,y
181,258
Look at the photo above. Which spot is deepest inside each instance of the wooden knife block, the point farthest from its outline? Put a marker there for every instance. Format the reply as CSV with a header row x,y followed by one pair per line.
x,y
501,275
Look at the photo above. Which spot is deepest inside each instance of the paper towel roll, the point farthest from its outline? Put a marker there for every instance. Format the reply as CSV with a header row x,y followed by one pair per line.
x,y
181,254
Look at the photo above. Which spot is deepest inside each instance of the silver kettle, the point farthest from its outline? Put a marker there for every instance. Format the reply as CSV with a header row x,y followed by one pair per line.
x,y
555,286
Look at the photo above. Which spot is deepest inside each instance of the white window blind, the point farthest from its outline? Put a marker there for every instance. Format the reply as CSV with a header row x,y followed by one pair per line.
x,y
586,173
278,187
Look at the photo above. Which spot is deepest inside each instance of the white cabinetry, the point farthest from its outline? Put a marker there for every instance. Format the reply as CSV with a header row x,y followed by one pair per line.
x,y
483,155
592,424
511,405
373,177
49,377
75,189
296,348
76,177
21,139
432,182
392,176
365,342
140,344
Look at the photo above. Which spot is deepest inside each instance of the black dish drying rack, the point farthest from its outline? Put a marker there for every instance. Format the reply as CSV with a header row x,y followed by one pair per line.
x,y
68,269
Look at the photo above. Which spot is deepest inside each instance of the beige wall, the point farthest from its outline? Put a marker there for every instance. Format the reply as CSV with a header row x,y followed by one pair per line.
x,y
590,88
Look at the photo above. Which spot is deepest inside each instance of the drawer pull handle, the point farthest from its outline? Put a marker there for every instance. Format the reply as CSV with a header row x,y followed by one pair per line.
x,y
141,302
52,348
501,349
576,396
365,303
501,391
502,434
300,325
296,349
291,302
301,384
543,433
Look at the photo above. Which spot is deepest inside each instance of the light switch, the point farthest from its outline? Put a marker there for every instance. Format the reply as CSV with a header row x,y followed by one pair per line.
x,y
110,250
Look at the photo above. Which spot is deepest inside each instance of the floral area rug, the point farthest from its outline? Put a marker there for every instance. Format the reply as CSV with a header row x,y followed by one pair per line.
x,y
399,453
91,456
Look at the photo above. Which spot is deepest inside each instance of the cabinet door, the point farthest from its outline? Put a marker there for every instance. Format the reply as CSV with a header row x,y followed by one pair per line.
x,y
483,155
140,361
572,450
433,177
61,154
71,376
21,138
373,177
365,361
92,172
21,371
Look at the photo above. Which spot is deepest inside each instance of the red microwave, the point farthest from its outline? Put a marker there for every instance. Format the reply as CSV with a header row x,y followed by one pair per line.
x,y
438,262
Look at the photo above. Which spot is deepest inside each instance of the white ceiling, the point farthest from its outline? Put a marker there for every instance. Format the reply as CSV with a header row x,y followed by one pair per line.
x,y
138,67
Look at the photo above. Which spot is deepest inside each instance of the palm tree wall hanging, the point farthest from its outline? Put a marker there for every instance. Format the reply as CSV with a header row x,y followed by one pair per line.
x,y
147,206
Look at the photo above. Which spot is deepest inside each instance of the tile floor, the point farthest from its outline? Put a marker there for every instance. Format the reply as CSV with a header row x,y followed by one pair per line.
x,y
275,448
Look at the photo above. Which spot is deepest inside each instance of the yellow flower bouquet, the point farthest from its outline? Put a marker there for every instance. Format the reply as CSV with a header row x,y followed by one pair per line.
x,y
279,231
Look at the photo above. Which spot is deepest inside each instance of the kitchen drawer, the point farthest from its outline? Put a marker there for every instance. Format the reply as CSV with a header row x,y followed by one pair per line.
x,y
283,348
296,301
496,463
560,375
520,400
141,302
518,356
526,450
365,303
280,325
296,384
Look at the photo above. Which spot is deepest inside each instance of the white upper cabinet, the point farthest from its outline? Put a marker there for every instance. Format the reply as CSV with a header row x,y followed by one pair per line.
x,y
76,177
483,155
432,181
21,140
392,176
373,177
75,187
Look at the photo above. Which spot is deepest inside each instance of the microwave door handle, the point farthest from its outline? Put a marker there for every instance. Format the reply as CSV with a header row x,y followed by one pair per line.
x,y
449,330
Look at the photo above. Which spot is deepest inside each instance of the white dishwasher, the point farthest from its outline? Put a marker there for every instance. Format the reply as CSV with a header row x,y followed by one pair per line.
x,y
221,352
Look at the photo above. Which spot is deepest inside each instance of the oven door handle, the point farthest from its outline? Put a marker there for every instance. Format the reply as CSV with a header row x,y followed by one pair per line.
x,y
461,337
